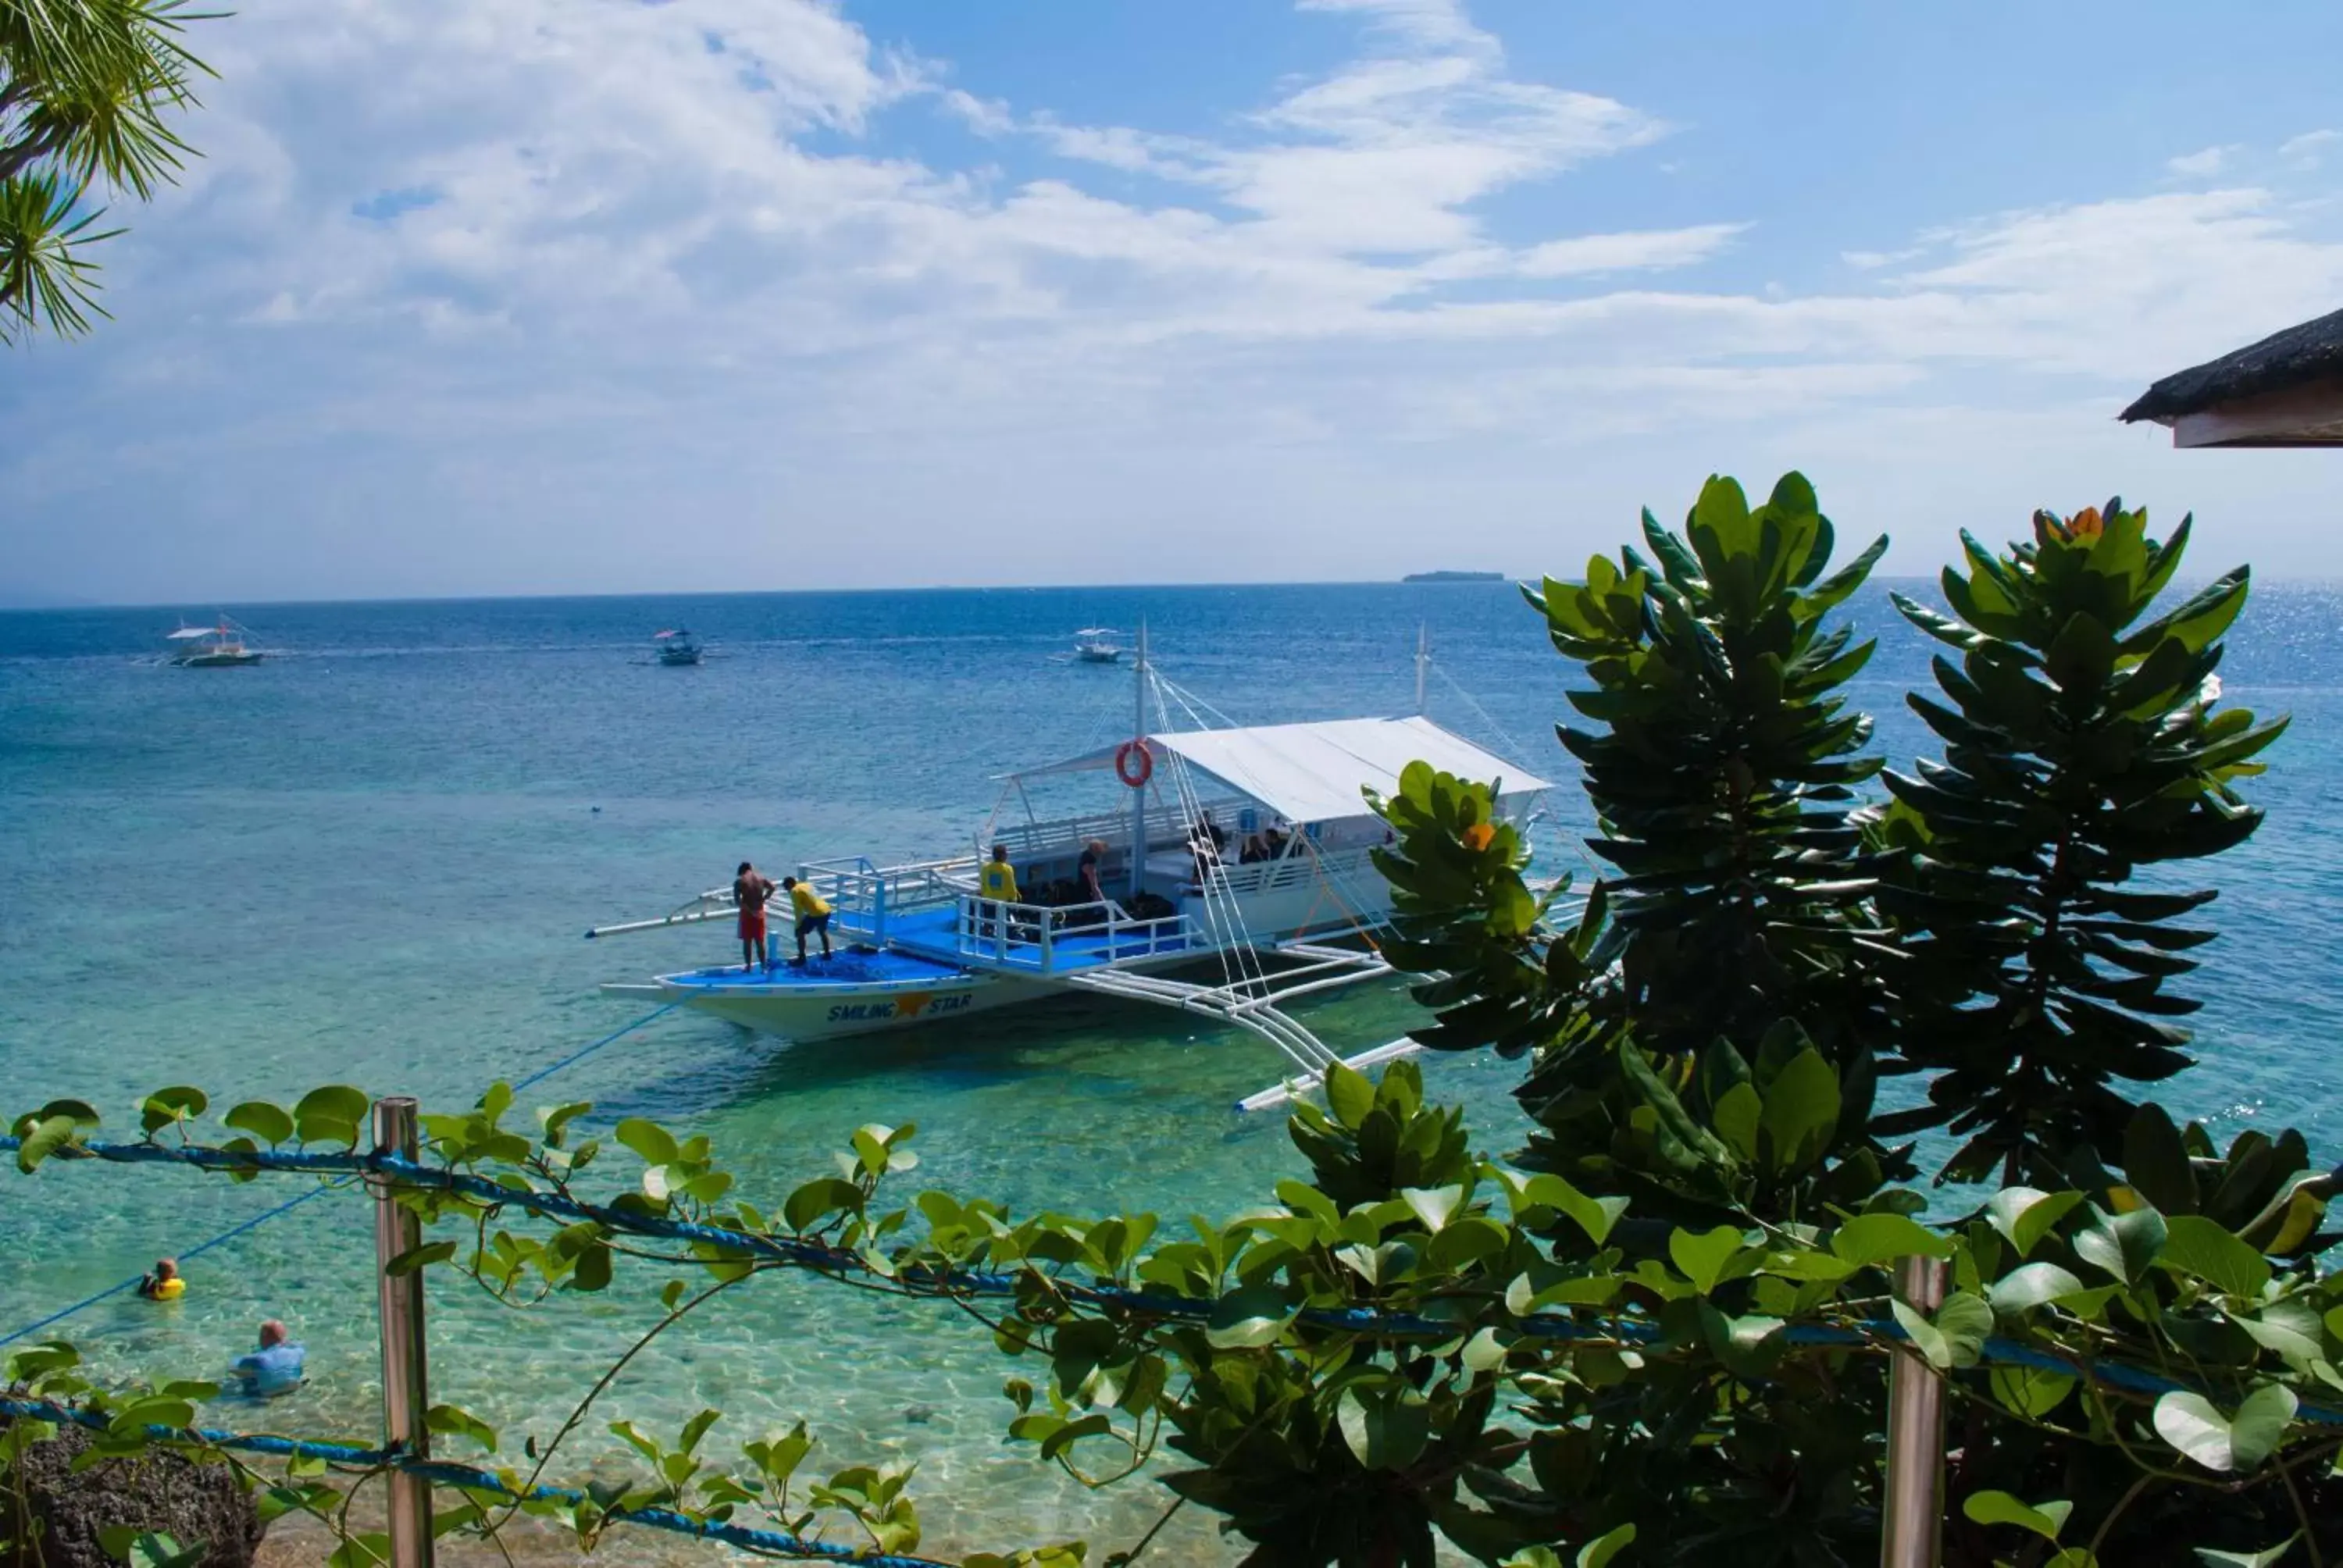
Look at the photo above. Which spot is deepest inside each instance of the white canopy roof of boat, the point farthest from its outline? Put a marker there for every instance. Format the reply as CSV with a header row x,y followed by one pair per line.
x,y
1313,772
186,631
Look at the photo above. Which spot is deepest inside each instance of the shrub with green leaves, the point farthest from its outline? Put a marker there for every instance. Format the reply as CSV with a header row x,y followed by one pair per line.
x,y
2082,742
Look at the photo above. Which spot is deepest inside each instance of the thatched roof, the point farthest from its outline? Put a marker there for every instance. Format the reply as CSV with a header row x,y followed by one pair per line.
x,y
2300,355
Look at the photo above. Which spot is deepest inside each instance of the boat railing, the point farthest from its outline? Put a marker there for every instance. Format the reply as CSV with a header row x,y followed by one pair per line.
x,y
1057,836
1348,870
1041,939
866,896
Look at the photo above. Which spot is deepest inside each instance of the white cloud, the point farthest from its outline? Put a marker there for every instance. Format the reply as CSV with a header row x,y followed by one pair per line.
x,y
2200,165
632,262
2306,150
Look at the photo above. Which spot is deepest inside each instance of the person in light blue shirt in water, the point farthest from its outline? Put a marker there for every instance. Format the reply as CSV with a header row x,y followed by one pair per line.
x,y
272,1370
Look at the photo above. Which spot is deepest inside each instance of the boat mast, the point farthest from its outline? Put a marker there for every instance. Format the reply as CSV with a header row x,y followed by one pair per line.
x,y
1422,663
1138,735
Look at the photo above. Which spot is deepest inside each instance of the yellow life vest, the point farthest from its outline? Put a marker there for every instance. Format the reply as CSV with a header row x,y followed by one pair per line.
x,y
169,1289
999,882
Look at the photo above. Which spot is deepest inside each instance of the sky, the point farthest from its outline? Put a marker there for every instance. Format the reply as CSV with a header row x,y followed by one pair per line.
x,y
607,295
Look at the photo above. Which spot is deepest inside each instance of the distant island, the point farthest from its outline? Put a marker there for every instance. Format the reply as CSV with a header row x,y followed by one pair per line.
x,y
1453,578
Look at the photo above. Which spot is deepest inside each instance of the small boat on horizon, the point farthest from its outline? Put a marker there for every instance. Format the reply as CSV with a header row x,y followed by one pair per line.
x,y
678,647
219,646
1096,645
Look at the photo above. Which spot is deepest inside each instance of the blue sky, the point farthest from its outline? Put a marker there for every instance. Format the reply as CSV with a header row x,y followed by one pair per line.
x,y
580,296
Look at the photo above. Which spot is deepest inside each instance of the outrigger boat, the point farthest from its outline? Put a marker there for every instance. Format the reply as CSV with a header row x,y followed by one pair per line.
x,y
220,647
678,647
1239,872
1096,645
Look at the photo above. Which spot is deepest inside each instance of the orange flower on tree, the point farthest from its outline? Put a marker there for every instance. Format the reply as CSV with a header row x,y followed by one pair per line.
x,y
1479,837
2084,526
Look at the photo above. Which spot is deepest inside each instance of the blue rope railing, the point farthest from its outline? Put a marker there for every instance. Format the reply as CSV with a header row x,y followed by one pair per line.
x,y
200,1248
445,1473
940,1283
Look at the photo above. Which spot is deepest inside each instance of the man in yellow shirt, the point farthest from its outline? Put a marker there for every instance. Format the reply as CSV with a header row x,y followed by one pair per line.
x,y
1000,876
998,883
813,913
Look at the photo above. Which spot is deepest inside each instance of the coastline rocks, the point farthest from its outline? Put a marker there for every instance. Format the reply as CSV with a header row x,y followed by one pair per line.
x,y
155,1491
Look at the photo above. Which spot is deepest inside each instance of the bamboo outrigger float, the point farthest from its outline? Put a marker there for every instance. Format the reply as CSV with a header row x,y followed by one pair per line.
x,y
1238,871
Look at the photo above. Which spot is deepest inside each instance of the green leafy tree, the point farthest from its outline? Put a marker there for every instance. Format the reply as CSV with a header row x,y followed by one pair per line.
x,y
1728,967
87,89
2082,742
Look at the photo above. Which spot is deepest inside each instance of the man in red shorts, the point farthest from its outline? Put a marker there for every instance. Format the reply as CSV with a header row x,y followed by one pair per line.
x,y
750,889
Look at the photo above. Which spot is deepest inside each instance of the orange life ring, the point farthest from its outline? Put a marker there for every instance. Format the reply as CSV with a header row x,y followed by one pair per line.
x,y
1137,775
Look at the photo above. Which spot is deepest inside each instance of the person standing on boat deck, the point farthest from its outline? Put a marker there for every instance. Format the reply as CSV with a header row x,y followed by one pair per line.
x,y
813,914
1087,868
999,881
750,889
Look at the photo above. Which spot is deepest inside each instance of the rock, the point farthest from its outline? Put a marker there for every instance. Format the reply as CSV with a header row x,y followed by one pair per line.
x,y
919,1414
154,1491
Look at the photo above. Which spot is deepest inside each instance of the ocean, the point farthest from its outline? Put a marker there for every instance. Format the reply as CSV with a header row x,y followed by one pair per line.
x,y
372,860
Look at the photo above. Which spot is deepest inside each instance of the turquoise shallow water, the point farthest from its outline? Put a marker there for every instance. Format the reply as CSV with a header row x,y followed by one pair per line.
x,y
371,863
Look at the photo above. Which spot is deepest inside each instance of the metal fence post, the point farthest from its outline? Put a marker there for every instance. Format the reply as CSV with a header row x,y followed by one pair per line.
x,y
405,1396
1911,1531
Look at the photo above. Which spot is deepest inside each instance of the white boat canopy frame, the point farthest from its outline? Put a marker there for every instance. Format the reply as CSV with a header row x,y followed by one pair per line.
x,y
1313,772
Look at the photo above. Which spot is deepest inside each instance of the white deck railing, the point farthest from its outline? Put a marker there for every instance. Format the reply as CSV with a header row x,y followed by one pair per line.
x,y
866,896
1058,837
1026,936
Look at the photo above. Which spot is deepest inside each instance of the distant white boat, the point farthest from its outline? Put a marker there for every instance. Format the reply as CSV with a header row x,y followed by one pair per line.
x,y
221,647
678,647
1096,645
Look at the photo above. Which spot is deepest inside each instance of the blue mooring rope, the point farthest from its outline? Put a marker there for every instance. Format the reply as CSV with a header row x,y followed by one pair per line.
x,y
200,1248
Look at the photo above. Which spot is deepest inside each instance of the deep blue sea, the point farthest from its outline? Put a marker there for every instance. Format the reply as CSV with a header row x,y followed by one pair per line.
x,y
371,861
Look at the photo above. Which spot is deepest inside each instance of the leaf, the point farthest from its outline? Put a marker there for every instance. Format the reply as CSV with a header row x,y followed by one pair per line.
x,y
2023,1215
1386,1429
1802,1106
2190,1422
2212,1252
272,1124
1433,1205
2268,1557
1248,1319
2122,1244
1702,1258
1349,1094
42,1141
2031,1285
593,1268
454,1421
822,1195
1598,1551
1595,1216
655,1143
1955,1337
2032,1392
333,1114
166,1106
1736,1115
1870,1239
2260,1425
2001,1508
420,1257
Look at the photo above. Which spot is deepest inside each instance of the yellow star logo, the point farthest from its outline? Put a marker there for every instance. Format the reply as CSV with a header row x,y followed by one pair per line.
x,y
910,1003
